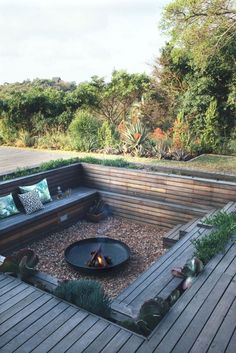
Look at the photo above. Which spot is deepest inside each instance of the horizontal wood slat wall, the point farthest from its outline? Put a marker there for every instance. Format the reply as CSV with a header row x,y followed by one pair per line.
x,y
157,198
194,192
149,211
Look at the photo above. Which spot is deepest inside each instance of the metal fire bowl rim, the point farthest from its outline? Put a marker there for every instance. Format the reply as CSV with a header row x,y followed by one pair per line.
x,y
98,239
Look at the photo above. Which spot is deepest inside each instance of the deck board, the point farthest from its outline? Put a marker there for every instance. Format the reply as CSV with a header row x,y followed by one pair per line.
x,y
232,343
74,335
61,332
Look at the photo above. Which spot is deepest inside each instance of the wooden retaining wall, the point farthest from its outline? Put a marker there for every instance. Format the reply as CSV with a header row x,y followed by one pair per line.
x,y
158,198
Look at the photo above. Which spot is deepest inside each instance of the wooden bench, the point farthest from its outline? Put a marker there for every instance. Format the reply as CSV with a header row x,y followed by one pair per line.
x,y
20,228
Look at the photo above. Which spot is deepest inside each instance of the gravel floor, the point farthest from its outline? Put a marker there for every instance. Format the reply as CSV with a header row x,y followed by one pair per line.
x,y
145,242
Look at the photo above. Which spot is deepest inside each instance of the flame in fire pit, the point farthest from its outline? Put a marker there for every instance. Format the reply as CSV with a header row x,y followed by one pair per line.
x,y
97,259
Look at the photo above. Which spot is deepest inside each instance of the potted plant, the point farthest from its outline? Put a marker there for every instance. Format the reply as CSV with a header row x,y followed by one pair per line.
x,y
98,211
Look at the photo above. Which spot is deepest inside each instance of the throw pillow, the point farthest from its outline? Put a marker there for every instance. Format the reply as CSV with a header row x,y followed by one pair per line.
x,y
7,206
31,201
41,188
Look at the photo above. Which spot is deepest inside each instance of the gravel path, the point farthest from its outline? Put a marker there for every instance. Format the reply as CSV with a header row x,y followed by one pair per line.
x,y
145,242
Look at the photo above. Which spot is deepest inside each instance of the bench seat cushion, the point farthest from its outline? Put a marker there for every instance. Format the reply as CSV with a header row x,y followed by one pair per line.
x,y
16,221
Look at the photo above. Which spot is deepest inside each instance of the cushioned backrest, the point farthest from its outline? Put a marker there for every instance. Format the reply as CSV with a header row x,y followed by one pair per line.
x,y
65,177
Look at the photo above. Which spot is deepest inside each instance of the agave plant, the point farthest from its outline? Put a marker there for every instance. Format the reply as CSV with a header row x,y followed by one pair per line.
x,y
190,270
135,135
22,264
150,314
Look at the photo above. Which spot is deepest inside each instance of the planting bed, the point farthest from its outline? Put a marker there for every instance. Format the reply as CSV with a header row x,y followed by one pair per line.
x,y
145,242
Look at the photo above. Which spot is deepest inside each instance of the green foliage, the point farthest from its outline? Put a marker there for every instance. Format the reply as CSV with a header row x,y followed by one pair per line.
x,y
200,27
20,172
210,133
25,139
83,130
117,96
214,243
105,135
86,294
195,73
22,264
57,163
54,139
134,136
231,143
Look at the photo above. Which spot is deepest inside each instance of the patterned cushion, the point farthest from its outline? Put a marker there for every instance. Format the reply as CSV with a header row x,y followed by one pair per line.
x,y
31,201
42,189
7,206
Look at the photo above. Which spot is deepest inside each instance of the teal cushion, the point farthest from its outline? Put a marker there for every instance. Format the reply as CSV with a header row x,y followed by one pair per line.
x,y
41,188
7,206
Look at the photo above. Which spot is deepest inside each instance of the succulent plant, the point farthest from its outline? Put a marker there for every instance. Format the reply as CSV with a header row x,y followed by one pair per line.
x,y
150,314
22,263
190,270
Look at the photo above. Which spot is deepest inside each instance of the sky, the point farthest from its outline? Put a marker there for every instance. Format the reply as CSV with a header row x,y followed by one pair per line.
x,y
77,39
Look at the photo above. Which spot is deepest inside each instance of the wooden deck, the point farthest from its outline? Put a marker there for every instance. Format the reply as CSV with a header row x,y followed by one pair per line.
x,y
201,321
34,321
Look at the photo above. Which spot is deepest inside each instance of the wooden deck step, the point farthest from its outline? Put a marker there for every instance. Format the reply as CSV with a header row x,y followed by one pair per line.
x,y
182,229
171,237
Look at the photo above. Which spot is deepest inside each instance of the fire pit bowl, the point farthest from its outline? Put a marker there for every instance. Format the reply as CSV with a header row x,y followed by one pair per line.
x,y
79,254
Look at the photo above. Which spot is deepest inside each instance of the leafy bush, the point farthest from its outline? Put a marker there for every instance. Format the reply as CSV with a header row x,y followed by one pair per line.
x,y
83,130
231,145
25,139
54,139
214,243
105,135
8,133
86,294
210,139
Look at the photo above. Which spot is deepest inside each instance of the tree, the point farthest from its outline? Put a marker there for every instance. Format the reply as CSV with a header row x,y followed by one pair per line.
x,y
200,27
197,64
112,100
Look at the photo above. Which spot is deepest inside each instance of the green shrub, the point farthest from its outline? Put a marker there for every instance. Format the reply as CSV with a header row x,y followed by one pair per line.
x,y
20,172
25,139
105,138
210,139
55,139
214,243
8,133
231,143
57,163
86,294
83,130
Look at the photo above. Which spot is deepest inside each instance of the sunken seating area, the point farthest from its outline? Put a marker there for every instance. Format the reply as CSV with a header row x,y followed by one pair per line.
x,y
163,199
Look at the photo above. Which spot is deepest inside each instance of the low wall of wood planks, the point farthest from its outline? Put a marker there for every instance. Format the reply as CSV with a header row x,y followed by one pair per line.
x,y
157,198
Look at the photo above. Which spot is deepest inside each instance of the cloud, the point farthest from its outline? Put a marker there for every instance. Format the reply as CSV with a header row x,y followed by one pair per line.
x,y
76,39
